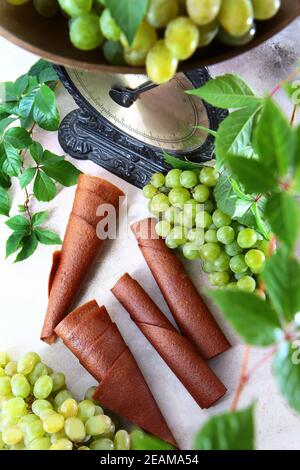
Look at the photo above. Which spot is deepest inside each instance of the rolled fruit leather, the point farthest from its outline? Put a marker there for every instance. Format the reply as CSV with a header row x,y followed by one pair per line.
x,y
188,308
180,355
80,248
97,343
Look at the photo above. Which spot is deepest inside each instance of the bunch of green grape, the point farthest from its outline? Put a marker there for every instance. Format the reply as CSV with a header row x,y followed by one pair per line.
x,y
38,412
232,254
172,30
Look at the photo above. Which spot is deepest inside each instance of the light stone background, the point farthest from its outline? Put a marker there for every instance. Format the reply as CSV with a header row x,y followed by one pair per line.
x,y
23,287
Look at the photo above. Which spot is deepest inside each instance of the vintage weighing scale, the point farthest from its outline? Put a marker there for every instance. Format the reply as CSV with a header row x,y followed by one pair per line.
x,y
124,122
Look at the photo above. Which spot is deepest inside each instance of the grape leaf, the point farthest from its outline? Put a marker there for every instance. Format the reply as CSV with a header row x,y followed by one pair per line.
x,y
13,243
4,123
4,179
286,369
36,151
4,202
227,91
19,224
254,175
44,188
39,218
282,278
20,85
251,317
27,176
181,164
62,171
29,245
12,164
47,237
128,15
43,71
282,213
45,112
17,137
228,431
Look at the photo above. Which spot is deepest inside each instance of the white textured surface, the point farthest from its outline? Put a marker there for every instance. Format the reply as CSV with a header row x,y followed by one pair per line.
x,y
23,286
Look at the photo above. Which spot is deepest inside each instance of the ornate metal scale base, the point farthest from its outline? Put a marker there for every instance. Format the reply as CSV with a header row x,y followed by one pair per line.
x,y
124,123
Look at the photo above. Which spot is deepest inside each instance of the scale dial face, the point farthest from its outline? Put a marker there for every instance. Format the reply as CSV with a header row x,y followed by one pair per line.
x,y
164,117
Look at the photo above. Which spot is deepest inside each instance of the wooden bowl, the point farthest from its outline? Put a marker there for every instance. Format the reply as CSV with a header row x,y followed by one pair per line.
x,y
48,38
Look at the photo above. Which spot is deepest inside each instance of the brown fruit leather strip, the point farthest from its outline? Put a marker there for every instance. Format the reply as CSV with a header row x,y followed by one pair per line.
x,y
188,308
180,355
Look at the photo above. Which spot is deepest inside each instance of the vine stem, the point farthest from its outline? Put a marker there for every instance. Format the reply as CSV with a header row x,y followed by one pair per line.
x,y
243,379
294,115
27,200
283,82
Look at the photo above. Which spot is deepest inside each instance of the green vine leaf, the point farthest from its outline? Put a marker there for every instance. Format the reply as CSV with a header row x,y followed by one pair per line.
x,y
44,188
18,137
36,151
144,441
13,243
28,246
4,202
62,171
180,164
12,164
45,112
39,218
252,174
47,237
27,176
286,369
128,15
228,431
19,224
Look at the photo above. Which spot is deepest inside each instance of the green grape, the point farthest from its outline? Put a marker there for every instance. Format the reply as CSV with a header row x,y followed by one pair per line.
x,y
163,228
164,190
102,444
209,176
42,443
14,408
113,52
239,276
236,16
62,444
74,429
160,203
109,27
247,284
45,413
238,265
161,65
173,178
76,7
83,448
40,405
226,235
171,242
211,236
58,435
12,435
151,209
157,180
122,440
20,386
85,33
86,409
191,208
145,38
203,219
4,359
149,191
208,33
229,40
220,279
188,179
53,423
196,236
233,249
97,425
69,408
247,238
210,251
204,12
34,430
178,197
160,12
27,363
26,420
5,386
61,397
201,193
59,381
90,393
186,220
171,214
43,387
98,410
232,285
190,251
46,8
39,370
264,246
220,219
178,234
182,37
222,262
209,206
255,260
11,368
265,9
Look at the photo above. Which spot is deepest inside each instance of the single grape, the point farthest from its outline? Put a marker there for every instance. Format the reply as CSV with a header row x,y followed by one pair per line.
x,y
85,33
179,235
196,236
209,176
208,267
161,65
11,368
210,251
203,12
255,259
238,265
62,444
233,249
208,33
188,179
59,381
186,220
149,191
157,180
14,408
98,410
69,408
74,429
60,397
43,387
203,219
53,423
39,370
171,214
42,443
135,54
58,435
201,193
247,238
102,444
265,9
34,430
222,262
109,27
190,251
90,393
12,435
86,409
4,359
20,386
46,8
151,209
220,219
76,7
226,235
97,425
234,41
182,37
173,178
171,242
25,420
247,284
163,228
83,448
160,203
113,52
160,12
122,440
178,197
211,236
219,279
236,16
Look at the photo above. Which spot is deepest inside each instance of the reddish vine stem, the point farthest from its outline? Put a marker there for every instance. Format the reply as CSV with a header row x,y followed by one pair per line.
x,y
243,379
294,115
27,200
